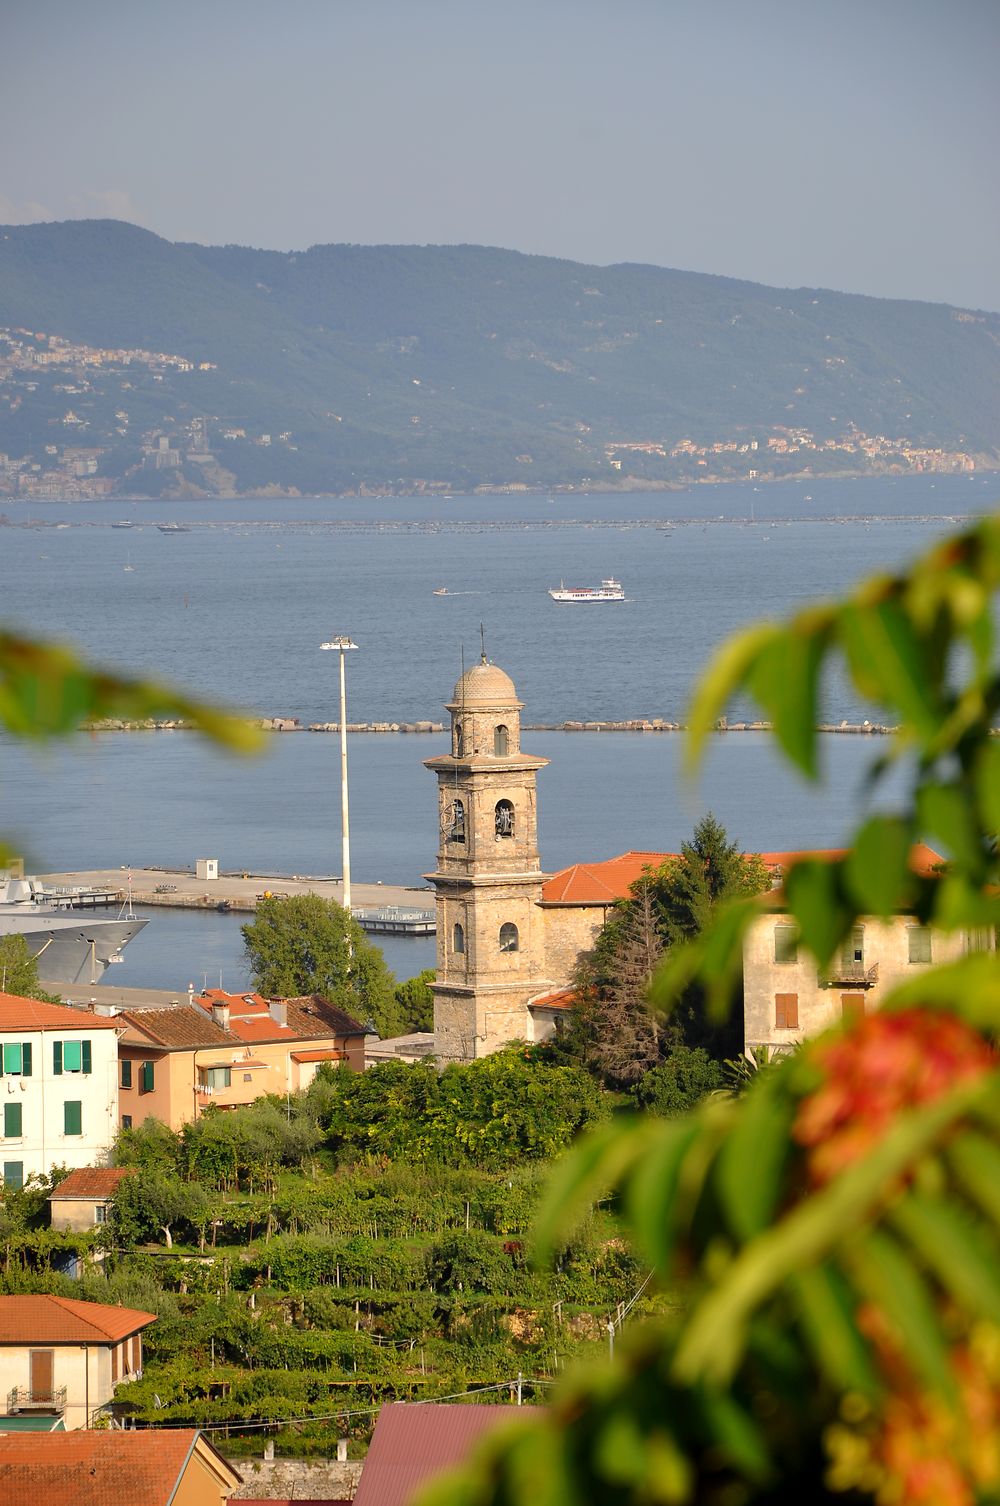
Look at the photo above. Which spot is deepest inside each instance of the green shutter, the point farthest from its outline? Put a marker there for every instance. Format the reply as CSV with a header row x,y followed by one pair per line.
x,y
26,1059
12,1121
73,1117
72,1055
126,1066
12,1056
88,1058
57,1058
146,1081
13,1173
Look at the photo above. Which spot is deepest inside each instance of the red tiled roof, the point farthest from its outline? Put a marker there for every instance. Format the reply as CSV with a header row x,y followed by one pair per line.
x,y
558,998
140,1467
306,1015
92,1182
413,1442
604,883
65,1320
17,1013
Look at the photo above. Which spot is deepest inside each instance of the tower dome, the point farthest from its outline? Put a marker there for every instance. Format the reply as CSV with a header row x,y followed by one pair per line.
x,y
485,684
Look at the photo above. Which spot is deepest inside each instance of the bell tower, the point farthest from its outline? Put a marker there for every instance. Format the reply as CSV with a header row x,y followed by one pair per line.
x,y
490,937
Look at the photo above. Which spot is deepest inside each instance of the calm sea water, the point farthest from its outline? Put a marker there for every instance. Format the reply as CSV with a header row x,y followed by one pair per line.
x,y
236,608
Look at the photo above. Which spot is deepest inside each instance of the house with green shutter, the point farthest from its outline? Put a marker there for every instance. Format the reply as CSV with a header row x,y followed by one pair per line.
x,y
58,1087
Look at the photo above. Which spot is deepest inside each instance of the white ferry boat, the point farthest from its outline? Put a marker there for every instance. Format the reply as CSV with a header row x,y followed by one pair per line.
x,y
608,590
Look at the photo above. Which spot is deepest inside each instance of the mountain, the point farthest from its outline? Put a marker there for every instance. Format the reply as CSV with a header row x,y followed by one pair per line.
x,y
348,368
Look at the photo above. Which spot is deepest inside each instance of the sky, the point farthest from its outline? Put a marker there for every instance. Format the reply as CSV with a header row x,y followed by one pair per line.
x,y
848,144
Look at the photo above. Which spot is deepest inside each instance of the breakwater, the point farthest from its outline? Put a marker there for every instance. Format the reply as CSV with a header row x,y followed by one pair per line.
x,y
637,724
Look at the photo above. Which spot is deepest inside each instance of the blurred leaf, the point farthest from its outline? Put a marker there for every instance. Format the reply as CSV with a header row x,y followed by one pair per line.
x,y
715,958
826,1308
712,1343
750,1166
887,663
964,1262
784,678
46,690
596,1163
888,1278
735,1433
943,811
969,987
721,680
812,892
975,1162
652,1190
877,869
987,777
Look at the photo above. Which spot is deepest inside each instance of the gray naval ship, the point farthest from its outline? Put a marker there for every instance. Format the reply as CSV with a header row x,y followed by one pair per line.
x,y
72,943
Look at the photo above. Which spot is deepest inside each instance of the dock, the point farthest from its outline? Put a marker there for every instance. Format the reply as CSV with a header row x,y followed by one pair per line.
x,y
388,909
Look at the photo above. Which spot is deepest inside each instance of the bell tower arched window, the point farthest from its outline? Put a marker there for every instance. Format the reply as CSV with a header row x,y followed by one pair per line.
x,y
501,742
456,832
459,740
458,939
509,940
504,818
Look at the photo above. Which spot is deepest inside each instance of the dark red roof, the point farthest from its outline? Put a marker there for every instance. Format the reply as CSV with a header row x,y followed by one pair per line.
x,y
413,1442
17,1013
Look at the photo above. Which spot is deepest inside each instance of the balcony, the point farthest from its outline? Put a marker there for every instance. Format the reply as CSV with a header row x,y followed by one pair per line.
x,y
849,975
29,1399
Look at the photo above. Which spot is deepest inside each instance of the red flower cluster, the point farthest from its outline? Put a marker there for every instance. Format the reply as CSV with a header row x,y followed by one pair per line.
x,y
881,1064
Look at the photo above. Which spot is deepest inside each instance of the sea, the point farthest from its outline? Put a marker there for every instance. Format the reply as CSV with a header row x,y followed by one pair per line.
x,y
235,607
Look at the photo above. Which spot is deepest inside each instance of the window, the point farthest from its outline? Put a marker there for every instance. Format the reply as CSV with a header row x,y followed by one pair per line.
x,y
71,1056
126,1121
217,1077
126,1067
786,1011
504,818
73,1117
456,831
147,1078
851,1004
786,943
16,1059
12,1121
501,742
458,940
13,1173
248,1077
919,943
100,1213
508,937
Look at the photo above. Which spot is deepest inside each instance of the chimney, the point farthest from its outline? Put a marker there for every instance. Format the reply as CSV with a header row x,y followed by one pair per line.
x,y
220,1014
278,1010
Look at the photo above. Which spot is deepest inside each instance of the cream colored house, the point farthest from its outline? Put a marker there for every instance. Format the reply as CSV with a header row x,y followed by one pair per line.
x,y
62,1359
58,1087
787,999
81,1201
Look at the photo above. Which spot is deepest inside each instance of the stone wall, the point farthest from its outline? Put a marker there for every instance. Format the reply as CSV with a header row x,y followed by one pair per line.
x,y
296,1479
568,931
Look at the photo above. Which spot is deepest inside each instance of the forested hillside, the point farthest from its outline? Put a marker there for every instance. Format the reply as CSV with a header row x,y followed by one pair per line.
x,y
349,367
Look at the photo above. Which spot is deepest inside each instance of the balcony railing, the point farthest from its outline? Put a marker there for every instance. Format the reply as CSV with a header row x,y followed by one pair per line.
x,y
32,1399
854,974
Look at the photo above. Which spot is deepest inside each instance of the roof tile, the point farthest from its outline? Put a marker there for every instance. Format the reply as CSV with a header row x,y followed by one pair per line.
x,y
92,1182
17,1013
412,1443
141,1467
45,1319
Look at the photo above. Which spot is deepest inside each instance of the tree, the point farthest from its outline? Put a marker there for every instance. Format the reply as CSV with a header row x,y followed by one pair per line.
x,y
19,971
832,1234
616,1030
686,1076
309,945
416,1001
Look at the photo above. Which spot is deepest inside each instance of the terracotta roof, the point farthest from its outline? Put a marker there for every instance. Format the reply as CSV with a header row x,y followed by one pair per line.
x,y
138,1467
92,1182
17,1013
64,1320
183,1026
413,1442
558,998
319,1056
604,883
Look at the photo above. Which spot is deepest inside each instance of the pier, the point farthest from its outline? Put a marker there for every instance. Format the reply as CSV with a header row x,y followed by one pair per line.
x,y
388,909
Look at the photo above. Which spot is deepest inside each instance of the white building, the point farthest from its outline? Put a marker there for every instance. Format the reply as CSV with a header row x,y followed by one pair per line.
x,y
58,1087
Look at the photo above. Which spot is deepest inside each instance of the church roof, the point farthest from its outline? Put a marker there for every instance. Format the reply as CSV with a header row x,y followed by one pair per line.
x,y
485,684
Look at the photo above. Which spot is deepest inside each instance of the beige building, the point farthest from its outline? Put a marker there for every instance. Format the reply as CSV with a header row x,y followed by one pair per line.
x,y
61,1360
227,1050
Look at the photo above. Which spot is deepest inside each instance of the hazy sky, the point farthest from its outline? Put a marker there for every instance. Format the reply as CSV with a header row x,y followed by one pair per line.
x,y
850,144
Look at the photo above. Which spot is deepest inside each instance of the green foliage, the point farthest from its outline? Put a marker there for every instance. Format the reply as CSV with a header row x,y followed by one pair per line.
x,y
686,1076
416,1001
19,971
308,945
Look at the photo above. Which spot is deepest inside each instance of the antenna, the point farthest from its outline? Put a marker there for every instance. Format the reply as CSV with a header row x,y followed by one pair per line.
x,y
482,639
